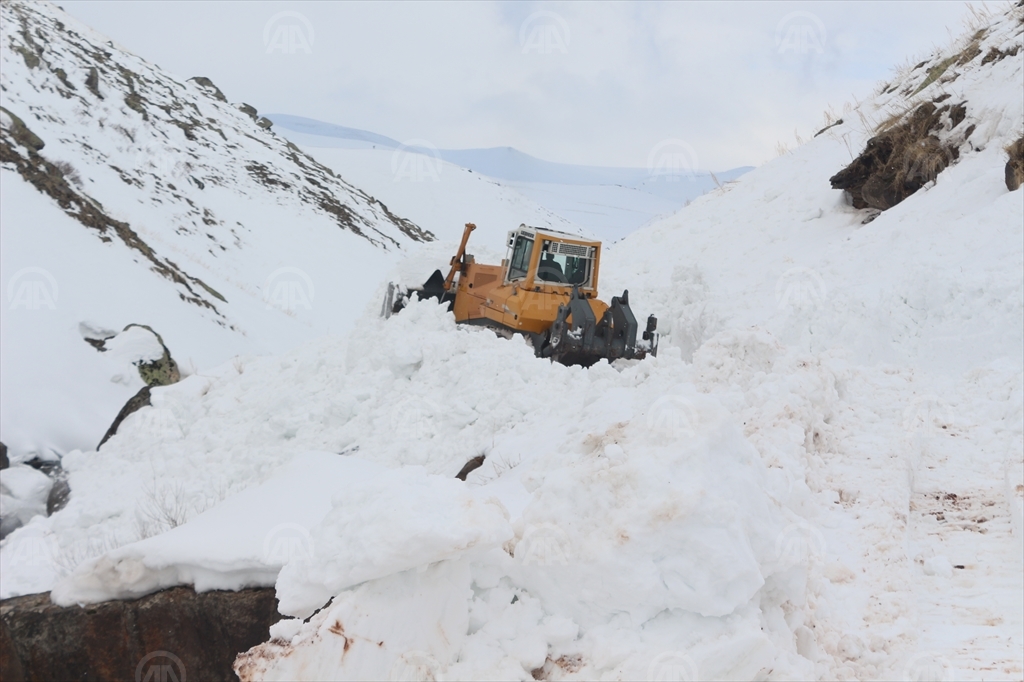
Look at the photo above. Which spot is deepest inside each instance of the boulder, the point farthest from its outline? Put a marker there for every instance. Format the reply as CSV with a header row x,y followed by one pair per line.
x,y
207,85
1015,165
173,634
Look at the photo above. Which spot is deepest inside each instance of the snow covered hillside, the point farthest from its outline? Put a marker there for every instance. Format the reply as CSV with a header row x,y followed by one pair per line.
x,y
130,196
821,475
608,202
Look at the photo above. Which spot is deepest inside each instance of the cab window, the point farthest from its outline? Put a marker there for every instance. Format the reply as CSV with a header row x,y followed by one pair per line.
x,y
520,261
558,267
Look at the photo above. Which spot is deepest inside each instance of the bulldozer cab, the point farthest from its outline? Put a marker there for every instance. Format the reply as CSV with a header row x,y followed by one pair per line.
x,y
550,258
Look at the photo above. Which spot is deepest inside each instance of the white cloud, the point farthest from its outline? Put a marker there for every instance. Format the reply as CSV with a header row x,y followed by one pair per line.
x,y
631,74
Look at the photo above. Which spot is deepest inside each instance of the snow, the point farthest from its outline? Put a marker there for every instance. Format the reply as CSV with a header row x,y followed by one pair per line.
x,y
608,202
819,477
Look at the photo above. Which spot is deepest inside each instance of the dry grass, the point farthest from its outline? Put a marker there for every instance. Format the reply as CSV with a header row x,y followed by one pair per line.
x,y
69,173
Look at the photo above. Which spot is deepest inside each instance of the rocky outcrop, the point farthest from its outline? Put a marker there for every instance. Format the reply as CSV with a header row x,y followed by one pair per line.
x,y
134,404
1015,165
194,636
4,462
904,157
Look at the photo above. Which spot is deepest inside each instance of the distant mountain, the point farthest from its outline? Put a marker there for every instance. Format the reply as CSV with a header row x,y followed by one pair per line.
x,y
609,201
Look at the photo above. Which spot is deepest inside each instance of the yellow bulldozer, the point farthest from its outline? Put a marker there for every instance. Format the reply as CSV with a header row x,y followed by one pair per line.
x,y
546,290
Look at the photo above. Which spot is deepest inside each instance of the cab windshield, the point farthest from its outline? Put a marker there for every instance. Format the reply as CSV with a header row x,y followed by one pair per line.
x,y
562,263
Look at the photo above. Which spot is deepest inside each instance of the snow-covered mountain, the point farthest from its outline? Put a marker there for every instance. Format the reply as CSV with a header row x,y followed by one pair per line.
x,y
820,476
608,202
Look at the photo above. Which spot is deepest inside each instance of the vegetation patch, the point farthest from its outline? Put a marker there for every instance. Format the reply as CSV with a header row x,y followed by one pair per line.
x,y
901,159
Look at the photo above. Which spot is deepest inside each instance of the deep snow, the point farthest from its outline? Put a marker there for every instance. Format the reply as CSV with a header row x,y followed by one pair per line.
x,y
820,476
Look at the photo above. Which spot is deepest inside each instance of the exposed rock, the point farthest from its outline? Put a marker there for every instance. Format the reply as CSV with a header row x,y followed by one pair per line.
x,y
59,495
208,85
471,465
1015,165
162,372
4,462
247,109
901,159
134,404
92,81
21,134
264,122
831,125
194,636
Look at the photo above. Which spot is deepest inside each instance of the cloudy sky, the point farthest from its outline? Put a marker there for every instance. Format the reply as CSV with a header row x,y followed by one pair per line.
x,y
588,83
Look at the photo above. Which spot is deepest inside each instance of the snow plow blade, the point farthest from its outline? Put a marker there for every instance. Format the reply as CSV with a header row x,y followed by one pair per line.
x,y
577,337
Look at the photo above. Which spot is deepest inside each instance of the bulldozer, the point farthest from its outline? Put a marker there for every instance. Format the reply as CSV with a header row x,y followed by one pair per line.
x,y
546,290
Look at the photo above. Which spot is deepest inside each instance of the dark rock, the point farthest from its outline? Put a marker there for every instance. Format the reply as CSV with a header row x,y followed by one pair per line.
x,y
264,123
22,135
50,467
194,636
833,125
162,372
4,462
92,81
208,85
1015,165
59,495
134,404
471,465
247,109
901,159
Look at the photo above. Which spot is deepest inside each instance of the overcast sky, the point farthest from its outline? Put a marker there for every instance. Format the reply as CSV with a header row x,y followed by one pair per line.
x,y
588,83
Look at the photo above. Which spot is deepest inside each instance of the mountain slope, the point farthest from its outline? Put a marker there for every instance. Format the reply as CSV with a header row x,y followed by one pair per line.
x,y
609,202
819,477
187,213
